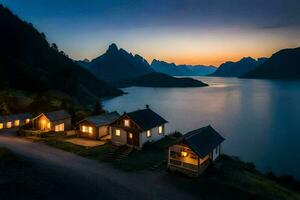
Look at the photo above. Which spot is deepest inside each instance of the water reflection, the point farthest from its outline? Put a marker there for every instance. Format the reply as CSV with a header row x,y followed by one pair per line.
x,y
259,118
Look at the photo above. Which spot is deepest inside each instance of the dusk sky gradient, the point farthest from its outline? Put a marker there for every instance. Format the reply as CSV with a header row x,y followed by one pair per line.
x,y
181,31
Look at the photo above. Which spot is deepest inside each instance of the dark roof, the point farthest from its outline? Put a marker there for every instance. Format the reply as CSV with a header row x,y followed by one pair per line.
x,y
57,115
203,140
103,119
146,118
22,116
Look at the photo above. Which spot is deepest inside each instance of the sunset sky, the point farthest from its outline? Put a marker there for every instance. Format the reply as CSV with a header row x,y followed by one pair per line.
x,y
182,31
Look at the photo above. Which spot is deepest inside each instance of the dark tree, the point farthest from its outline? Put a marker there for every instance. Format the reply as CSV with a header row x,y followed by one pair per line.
x,y
97,110
54,46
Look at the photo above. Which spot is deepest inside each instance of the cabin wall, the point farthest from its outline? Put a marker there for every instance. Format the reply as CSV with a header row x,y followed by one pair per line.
x,y
103,131
118,140
66,122
41,123
155,136
216,152
93,135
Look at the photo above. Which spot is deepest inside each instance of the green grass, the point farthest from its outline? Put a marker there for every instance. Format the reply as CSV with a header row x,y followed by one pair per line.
x,y
242,176
137,160
150,156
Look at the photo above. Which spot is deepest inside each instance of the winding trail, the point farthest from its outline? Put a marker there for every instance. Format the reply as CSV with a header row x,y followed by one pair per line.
x,y
89,179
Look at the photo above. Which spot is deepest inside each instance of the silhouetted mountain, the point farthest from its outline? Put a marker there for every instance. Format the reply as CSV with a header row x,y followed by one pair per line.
x,y
161,80
118,65
236,69
29,63
284,64
84,63
181,70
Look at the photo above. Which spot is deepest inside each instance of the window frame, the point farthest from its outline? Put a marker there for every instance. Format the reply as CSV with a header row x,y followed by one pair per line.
x,y
127,122
118,132
160,130
149,133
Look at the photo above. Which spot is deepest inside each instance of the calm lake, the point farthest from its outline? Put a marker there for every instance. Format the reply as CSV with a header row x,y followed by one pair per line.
x,y
260,119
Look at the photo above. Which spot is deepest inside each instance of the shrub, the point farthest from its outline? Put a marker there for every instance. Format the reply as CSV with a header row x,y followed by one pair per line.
x,y
176,134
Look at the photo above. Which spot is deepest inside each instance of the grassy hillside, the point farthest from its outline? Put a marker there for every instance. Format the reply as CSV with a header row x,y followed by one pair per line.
x,y
29,63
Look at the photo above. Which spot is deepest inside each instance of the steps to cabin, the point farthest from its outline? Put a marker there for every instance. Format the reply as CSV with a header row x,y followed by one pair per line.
x,y
117,154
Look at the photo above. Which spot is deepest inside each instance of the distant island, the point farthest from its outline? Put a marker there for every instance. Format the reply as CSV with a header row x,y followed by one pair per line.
x,y
236,69
284,64
181,70
161,80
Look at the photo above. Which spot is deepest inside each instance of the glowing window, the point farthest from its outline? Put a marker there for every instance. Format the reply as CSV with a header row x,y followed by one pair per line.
x,y
148,133
126,122
1,126
90,129
130,135
118,132
17,123
48,125
160,129
60,127
27,121
8,125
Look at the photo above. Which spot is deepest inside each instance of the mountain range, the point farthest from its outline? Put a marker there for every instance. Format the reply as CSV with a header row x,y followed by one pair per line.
x,y
236,69
29,63
181,70
284,64
117,65
120,68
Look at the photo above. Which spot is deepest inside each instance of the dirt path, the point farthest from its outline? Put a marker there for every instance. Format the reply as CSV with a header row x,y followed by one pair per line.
x,y
88,179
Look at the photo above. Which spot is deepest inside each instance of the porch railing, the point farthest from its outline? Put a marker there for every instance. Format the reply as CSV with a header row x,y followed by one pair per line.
x,y
184,165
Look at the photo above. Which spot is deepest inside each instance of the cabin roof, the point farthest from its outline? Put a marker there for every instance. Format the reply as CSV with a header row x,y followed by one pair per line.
x,y
103,119
203,140
146,118
57,115
21,116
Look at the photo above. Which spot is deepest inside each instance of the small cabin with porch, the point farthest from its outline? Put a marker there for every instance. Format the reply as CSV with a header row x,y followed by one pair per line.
x,y
96,127
17,120
136,128
195,151
52,121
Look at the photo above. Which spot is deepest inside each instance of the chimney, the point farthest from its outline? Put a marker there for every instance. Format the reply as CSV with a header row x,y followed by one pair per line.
x,y
147,106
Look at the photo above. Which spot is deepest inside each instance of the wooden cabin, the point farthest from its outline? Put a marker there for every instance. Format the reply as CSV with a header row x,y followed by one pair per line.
x,y
136,128
52,121
195,151
96,127
12,121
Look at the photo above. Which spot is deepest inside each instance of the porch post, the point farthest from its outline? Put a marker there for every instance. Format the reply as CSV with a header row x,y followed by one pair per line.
x,y
169,153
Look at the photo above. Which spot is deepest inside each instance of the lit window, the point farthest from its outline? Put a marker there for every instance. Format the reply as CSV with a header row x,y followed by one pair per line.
x,y
130,135
27,121
1,126
60,127
17,123
48,125
126,122
90,129
8,125
83,128
148,133
160,130
118,132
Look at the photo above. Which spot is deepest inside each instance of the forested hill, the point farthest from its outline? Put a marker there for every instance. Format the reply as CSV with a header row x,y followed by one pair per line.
x,y
29,63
